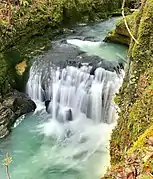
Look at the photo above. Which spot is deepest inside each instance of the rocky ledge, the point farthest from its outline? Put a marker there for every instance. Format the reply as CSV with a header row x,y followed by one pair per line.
x,y
13,106
120,34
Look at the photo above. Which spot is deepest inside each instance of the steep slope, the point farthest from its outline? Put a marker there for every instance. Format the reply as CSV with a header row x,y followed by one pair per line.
x,y
132,137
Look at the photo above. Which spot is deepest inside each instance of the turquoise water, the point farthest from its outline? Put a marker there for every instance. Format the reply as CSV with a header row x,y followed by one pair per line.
x,y
40,147
109,51
37,154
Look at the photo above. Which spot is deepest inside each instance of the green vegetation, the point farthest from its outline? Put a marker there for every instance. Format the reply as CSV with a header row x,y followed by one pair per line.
x,y
137,162
30,18
132,152
3,76
28,26
134,100
120,34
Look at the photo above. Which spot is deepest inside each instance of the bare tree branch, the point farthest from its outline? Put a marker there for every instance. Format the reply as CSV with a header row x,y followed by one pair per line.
x,y
124,18
7,162
7,172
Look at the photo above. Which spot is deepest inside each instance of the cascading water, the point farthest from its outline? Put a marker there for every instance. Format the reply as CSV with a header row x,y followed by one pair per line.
x,y
80,104
75,92
71,139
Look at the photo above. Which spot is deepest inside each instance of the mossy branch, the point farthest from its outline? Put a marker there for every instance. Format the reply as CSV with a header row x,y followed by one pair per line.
x,y
126,24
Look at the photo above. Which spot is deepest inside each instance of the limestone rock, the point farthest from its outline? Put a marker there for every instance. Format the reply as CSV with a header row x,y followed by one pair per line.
x,y
13,106
6,114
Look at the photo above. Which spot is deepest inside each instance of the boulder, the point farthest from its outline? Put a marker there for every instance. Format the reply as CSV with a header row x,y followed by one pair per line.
x,y
69,115
47,102
14,105
120,34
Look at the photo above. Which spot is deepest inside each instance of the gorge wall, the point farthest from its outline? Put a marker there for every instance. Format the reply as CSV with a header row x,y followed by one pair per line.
x,y
132,139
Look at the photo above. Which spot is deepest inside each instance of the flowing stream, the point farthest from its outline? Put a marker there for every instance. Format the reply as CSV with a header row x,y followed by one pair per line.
x,y
69,137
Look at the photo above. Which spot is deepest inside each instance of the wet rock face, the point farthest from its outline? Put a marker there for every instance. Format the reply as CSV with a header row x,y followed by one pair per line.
x,y
67,112
47,102
6,115
64,54
13,106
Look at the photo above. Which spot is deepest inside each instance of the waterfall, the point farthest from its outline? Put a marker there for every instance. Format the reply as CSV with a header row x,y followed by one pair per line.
x,y
73,84
77,90
74,91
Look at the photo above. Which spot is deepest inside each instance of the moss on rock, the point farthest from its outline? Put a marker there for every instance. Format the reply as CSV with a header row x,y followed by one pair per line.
x,y
117,38
137,162
121,34
4,81
135,98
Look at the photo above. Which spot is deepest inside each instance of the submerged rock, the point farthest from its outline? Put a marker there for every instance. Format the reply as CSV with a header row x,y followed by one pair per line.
x,y
64,116
13,106
47,102
69,115
92,71
64,54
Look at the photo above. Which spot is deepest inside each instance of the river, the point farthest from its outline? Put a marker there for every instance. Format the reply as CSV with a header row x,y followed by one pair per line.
x,y
72,140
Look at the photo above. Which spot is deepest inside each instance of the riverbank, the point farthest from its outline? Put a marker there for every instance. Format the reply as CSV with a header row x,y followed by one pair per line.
x,y
131,143
28,19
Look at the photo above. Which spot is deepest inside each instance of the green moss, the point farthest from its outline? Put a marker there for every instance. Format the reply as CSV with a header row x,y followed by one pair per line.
x,y
140,144
117,38
4,87
121,34
137,158
135,98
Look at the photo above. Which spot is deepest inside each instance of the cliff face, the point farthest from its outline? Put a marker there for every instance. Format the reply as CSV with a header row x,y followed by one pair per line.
x,y
132,139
